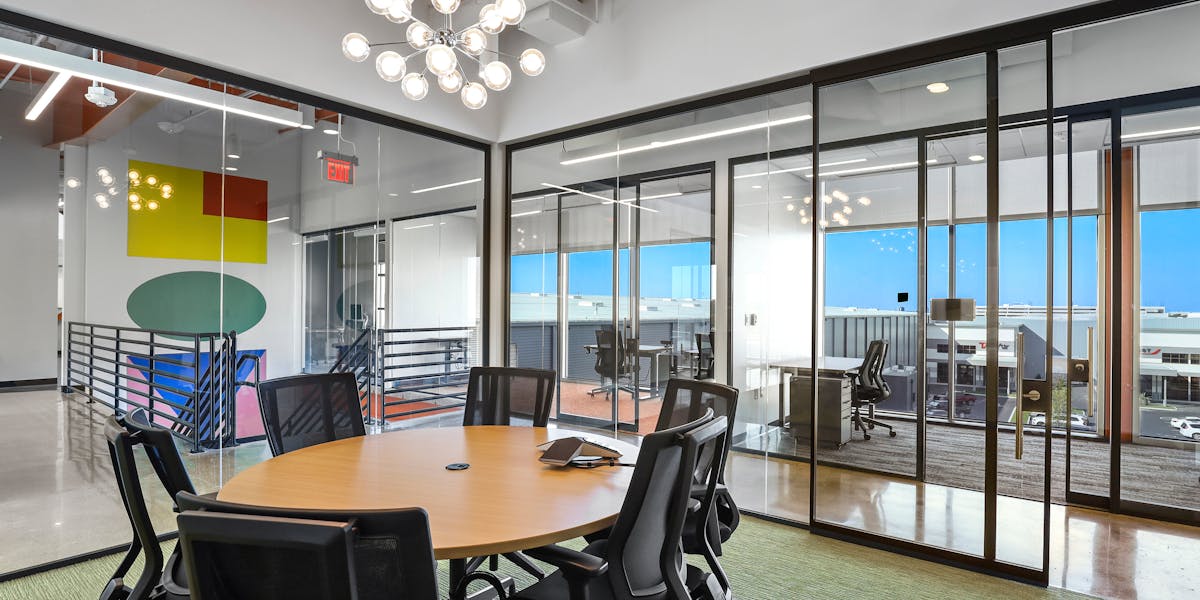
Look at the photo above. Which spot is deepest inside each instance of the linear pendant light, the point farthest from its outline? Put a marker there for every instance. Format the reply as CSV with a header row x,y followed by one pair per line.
x,y
688,139
84,68
46,95
598,197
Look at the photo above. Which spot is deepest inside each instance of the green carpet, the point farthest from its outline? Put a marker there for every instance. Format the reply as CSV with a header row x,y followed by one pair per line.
x,y
765,561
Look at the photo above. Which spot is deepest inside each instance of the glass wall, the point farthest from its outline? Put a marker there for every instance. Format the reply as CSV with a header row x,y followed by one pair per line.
x,y
207,235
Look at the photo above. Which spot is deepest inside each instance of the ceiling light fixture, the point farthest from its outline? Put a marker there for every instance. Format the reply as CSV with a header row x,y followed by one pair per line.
x,y
1146,134
598,197
442,47
808,168
688,139
278,219
975,157
932,161
448,185
130,79
527,213
418,227
938,87
330,131
46,95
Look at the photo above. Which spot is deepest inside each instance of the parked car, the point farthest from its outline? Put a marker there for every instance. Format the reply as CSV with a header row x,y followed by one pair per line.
x,y
939,407
1078,422
1190,429
1178,422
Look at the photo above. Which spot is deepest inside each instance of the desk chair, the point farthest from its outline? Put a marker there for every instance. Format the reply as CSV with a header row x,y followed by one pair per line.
x,y
158,579
391,553
305,410
612,359
641,559
705,359
868,388
495,394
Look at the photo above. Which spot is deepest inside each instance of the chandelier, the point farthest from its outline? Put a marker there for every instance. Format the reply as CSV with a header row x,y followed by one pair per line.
x,y
140,191
442,48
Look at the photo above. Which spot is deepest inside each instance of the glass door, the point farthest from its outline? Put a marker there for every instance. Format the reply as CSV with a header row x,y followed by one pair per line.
x,y
948,450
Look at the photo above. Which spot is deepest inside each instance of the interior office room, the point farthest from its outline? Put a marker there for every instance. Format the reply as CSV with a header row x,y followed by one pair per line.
x,y
449,299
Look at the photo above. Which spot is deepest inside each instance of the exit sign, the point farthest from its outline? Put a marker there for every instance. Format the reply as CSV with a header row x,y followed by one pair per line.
x,y
338,168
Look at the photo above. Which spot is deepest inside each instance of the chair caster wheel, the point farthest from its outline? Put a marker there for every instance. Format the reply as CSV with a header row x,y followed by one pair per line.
x,y
891,434
866,437
872,426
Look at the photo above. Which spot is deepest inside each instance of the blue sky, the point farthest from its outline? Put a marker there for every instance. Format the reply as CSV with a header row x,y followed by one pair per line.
x,y
868,268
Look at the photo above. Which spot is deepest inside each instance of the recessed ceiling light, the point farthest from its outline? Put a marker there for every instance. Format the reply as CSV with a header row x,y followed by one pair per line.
x,y
330,131
757,187
787,197
234,156
230,168
975,157
393,195
938,87
305,126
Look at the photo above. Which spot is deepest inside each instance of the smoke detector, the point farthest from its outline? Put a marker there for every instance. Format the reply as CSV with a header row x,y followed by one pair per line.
x,y
100,96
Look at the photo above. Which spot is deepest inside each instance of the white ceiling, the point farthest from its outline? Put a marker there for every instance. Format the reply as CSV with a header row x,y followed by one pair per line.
x,y
640,54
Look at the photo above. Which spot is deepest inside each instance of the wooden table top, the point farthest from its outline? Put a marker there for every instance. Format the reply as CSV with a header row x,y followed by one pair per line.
x,y
506,501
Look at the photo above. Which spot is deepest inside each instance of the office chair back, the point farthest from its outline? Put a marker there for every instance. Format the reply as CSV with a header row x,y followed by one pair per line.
x,y
871,386
121,443
685,400
305,410
610,355
643,551
393,552
495,394
705,359
243,556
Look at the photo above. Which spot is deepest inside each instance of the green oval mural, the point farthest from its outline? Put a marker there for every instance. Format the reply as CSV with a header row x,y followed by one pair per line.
x,y
189,302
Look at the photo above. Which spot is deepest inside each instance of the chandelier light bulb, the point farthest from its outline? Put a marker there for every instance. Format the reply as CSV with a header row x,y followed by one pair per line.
x,y
474,95
490,19
136,206
134,175
152,180
451,82
446,7
512,11
496,75
106,179
356,47
102,172
152,205
414,86
533,62
441,59
134,198
112,191
390,66
419,35
72,182
101,199
473,41
399,11
380,7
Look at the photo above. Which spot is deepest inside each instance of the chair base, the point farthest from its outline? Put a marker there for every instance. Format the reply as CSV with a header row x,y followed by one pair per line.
x,y
869,422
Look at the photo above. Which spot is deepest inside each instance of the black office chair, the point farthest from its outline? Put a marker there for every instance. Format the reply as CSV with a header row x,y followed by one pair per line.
x,y
612,360
685,400
495,394
305,410
705,359
241,556
641,559
162,580
868,388
392,550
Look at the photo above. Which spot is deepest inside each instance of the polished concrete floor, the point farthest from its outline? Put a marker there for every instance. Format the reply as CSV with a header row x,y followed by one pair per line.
x,y
59,499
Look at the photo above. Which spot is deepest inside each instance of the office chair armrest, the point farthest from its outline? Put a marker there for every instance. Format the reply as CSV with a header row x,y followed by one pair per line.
x,y
693,505
575,565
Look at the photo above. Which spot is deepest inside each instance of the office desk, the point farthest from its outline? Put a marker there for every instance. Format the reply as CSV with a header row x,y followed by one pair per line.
x,y
480,511
654,353
827,366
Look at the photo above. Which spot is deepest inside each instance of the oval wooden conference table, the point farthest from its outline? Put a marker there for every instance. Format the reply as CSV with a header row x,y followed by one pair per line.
x,y
505,502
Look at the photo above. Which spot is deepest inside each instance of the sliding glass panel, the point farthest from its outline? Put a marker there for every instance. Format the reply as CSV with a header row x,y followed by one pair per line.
x,y
1161,442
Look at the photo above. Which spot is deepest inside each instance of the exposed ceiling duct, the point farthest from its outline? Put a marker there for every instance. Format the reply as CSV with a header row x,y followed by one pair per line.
x,y
559,21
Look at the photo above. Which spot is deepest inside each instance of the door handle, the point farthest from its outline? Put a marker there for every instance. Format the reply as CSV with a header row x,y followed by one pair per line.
x,y
1091,407
1020,437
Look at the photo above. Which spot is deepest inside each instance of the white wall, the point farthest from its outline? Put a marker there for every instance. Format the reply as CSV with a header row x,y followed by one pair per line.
x,y
28,243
